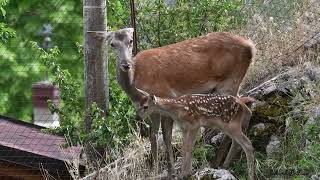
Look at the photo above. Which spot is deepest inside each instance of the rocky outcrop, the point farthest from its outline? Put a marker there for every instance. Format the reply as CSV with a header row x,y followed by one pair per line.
x,y
275,99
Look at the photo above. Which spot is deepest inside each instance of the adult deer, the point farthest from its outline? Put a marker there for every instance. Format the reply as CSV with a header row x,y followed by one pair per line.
x,y
225,112
216,62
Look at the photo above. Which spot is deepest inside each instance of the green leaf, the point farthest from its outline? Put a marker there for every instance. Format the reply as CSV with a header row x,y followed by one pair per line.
x,y
3,11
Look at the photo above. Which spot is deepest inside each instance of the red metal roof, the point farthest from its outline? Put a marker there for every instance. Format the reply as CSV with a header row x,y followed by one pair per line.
x,y
29,138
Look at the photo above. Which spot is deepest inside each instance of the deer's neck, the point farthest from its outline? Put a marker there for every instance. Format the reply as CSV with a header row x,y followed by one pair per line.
x,y
125,81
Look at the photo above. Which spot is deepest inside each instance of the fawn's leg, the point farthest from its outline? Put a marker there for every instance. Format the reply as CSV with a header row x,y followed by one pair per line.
x,y
154,128
234,130
220,153
189,139
235,148
166,125
246,145
230,86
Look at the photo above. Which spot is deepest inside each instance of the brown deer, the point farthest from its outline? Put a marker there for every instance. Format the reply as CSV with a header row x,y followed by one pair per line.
x,y
216,62
225,112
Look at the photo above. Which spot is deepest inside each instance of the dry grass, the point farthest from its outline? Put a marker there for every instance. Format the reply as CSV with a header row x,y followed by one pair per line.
x,y
281,30
133,161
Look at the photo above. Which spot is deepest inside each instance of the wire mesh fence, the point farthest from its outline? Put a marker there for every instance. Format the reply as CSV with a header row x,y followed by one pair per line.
x,y
286,33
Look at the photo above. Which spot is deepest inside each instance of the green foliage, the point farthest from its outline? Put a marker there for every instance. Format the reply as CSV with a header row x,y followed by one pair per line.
x,y
3,3
70,110
6,33
19,63
162,24
202,153
310,160
117,127
112,131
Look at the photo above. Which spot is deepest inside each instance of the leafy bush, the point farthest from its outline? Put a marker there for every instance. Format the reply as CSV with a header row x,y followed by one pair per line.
x,y
112,131
310,161
159,24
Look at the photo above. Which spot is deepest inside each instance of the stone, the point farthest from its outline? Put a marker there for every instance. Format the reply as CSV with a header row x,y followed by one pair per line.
x,y
215,140
273,146
315,177
258,128
216,174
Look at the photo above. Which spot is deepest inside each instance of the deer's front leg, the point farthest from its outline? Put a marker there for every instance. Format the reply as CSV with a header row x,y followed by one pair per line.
x,y
154,128
166,126
189,139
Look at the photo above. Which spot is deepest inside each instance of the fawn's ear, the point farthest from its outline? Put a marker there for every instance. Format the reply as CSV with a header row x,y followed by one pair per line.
x,y
144,102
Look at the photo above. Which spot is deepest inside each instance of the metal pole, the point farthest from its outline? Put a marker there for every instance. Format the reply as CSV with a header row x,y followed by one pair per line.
x,y
47,32
133,25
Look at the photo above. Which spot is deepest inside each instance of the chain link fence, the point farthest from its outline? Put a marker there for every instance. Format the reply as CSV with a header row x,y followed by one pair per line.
x,y
286,33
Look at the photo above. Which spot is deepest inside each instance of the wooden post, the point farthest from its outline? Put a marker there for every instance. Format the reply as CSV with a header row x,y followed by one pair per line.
x,y
95,58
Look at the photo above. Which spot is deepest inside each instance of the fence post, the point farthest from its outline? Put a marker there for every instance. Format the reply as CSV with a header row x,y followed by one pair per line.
x,y
95,58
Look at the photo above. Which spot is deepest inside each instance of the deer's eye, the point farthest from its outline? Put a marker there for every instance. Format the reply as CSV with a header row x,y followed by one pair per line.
x,y
131,41
112,45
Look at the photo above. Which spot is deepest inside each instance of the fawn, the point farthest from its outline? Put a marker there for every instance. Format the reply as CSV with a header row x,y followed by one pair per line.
x,y
226,112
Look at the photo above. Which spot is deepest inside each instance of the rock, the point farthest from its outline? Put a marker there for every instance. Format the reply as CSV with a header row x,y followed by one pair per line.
x,y
202,174
212,136
315,177
258,128
312,72
273,146
210,174
215,140
312,121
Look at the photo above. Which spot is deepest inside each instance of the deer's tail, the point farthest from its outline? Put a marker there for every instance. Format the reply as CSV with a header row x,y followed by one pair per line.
x,y
245,100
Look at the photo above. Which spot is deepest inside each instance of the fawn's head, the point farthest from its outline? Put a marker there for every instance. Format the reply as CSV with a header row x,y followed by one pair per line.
x,y
147,104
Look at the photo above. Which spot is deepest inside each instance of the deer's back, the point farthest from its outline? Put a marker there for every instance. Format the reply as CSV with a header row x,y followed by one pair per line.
x,y
193,63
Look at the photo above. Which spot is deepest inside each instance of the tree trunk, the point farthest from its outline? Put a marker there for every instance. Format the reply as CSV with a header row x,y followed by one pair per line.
x,y
95,58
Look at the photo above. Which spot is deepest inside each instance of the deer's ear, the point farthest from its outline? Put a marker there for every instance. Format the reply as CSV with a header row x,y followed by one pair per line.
x,y
129,30
102,34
